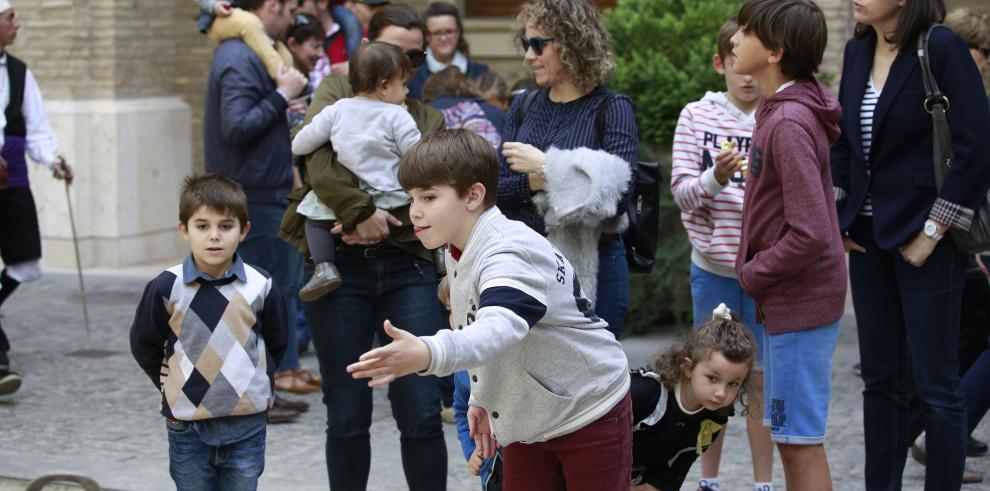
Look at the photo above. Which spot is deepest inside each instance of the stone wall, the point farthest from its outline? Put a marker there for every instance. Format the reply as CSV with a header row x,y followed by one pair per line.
x,y
107,70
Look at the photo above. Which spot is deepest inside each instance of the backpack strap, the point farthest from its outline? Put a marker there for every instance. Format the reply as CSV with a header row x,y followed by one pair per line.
x,y
528,97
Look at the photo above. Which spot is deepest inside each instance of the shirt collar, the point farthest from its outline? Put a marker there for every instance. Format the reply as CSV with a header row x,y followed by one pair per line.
x,y
191,273
460,61
3,59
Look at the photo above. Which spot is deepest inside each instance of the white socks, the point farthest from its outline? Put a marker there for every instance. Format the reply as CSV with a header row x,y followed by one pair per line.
x,y
711,484
708,484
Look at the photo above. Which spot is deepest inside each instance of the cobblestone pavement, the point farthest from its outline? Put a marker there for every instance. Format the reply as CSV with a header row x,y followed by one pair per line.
x,y
86,407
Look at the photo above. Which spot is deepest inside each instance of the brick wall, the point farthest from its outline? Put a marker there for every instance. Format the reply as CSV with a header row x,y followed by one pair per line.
x,y
99,48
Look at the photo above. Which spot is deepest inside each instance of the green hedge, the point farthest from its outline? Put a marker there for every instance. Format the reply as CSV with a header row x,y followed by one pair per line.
x,y
663,51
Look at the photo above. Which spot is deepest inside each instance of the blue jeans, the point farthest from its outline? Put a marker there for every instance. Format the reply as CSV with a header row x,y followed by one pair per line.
x,y
709,289
195,465
613,285
379,285
975,390
903,311
263,248
351,25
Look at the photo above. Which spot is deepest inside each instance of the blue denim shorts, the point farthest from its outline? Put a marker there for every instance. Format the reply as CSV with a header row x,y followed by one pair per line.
x,y
797,383
709,289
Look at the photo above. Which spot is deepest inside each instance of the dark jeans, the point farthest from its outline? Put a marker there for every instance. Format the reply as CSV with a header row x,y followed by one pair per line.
x,y
975,390
196,466
908,318
378,285
613,285
263,248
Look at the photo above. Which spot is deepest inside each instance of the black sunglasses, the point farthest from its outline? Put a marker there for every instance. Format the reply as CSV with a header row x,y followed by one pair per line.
x,y
416,57
537,43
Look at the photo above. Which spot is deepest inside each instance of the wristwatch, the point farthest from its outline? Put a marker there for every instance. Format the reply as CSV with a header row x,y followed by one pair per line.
x,y
931,230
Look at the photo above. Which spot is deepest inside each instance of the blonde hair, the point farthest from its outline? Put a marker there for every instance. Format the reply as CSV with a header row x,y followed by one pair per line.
x,y
585,47
972,25
443,292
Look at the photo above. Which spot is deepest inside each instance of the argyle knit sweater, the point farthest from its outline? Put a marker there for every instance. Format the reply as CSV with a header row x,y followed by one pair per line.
x,y
211,346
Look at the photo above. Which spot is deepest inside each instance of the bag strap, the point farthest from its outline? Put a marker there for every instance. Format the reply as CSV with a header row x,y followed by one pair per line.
x,y
933,94
936,104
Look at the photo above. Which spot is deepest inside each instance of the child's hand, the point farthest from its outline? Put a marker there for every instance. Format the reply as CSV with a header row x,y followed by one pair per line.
x,y
222,9
479,428
474,463
727,163
404,355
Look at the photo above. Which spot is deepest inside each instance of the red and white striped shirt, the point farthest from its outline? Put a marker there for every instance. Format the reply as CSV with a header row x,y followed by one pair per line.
x,y
711,213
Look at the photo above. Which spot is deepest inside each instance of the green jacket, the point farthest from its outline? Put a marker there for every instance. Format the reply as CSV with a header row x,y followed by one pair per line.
x,y
338,187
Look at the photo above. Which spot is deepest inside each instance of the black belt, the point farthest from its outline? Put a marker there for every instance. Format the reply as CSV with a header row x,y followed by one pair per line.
x,y
372,251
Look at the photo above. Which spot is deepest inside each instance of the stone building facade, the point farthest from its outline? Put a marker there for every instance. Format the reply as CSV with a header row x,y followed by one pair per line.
x,y
124,84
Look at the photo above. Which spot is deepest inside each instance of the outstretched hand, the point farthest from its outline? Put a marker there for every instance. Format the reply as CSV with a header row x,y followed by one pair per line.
x,y
406,354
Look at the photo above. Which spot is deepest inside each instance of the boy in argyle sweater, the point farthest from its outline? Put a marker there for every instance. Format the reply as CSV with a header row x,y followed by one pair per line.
x,y
209,333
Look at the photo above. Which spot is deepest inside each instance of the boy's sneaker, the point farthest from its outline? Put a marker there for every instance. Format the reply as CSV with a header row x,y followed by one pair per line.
x,y
9,381
325,279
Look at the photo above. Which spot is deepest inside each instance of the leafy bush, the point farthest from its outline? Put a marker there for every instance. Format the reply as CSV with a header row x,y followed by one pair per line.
x,y
663,51
663,54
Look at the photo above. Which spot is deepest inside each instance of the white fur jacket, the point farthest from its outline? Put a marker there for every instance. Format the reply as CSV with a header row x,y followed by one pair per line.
x,y
582,191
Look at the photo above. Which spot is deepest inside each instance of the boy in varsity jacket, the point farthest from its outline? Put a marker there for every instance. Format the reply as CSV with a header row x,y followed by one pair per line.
x,y
548,381
209,333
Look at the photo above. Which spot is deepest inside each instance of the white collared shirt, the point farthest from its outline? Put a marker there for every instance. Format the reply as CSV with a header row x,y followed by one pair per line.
x,y
42,145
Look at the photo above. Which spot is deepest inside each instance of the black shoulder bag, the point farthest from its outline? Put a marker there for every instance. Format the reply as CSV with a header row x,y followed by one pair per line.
x,y
977,238
643,206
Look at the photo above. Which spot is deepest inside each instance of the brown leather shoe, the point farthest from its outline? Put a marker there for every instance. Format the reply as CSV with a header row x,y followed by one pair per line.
x,y
281,414
309,378
289,382
298,406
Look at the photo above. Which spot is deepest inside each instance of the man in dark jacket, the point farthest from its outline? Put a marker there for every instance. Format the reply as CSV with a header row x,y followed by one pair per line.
x,y
246,138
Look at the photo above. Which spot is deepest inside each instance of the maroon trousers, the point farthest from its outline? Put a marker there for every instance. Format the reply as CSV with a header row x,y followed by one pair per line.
x,y
597,457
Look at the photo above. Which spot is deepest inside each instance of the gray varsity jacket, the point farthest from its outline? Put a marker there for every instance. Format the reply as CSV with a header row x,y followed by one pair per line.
x,y
540,361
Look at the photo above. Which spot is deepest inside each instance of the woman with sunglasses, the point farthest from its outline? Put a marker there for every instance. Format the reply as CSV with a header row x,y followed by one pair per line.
x,y
906,274
445,35
388,274
565,173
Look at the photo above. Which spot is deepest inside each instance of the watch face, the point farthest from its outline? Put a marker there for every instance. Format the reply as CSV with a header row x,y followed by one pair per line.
x,y
930,229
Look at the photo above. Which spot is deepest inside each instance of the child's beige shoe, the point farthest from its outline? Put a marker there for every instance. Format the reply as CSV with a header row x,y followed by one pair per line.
x,y
325,279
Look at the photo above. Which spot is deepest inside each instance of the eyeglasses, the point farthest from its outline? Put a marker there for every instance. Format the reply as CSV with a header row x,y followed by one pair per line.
x,y
446,33
537,43
416,57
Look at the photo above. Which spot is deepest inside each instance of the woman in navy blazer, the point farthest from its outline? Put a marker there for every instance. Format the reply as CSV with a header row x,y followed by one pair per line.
x,y
907,277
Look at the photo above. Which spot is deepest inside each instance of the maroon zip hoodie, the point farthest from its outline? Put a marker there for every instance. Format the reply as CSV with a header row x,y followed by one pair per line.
x,y
791,259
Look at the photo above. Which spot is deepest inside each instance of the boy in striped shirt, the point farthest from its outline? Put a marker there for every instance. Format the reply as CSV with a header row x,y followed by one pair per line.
x,y
711,138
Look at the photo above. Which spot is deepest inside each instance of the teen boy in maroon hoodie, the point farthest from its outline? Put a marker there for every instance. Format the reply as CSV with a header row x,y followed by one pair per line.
x,y
791,259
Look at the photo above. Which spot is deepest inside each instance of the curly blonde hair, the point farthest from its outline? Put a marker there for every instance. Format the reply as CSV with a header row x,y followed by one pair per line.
x,y
584,45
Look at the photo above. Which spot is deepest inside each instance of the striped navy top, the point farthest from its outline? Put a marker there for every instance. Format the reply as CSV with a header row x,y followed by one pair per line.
x,y
566,126
866,109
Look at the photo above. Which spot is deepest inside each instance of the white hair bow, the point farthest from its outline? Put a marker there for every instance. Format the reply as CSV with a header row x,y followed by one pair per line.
x,y
722,311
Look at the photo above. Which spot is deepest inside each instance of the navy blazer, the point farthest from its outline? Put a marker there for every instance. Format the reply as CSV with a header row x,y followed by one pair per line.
x,y
900,175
